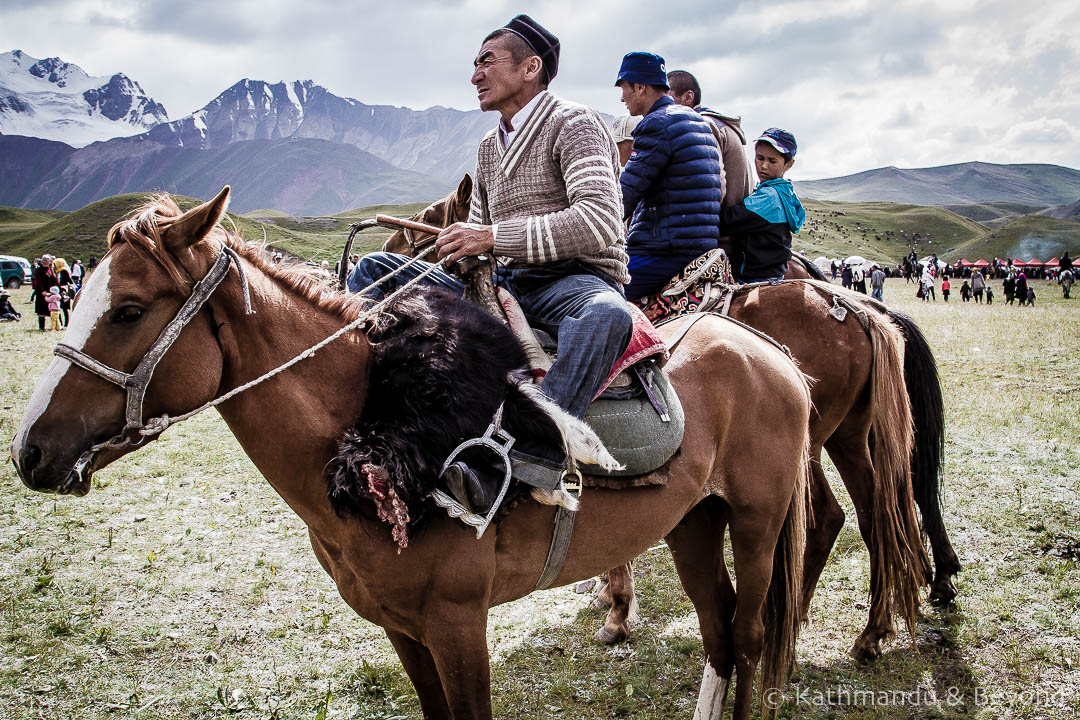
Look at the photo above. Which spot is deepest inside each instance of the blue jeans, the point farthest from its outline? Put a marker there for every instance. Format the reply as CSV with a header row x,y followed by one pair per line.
x,y
584,310
649,274
876,293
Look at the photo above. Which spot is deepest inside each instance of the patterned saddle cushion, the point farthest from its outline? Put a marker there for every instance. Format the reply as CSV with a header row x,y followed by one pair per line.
x,y
699,287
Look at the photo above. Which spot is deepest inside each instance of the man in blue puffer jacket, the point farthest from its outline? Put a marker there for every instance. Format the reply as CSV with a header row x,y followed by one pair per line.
x,y
672,185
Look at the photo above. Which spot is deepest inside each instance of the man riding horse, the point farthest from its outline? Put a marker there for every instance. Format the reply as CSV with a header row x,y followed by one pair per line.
x,y
546,202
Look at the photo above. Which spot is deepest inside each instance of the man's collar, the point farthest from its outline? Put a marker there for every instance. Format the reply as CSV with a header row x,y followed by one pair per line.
x,y
521,115
665,100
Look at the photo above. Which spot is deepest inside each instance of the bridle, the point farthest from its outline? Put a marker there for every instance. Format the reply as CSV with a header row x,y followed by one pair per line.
x,y
136,432
135,384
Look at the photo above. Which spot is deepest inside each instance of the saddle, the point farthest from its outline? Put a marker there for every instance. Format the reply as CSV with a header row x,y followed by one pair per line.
x,y
700,287
636,414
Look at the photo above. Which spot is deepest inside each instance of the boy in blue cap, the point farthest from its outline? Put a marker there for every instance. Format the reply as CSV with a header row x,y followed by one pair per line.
x,y
672,185
764,221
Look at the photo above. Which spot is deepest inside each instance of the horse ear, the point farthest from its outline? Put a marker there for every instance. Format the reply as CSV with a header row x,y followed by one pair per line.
x,y
464,191
196,223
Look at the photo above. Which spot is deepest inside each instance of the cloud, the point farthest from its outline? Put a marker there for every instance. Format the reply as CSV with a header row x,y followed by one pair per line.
x,y
1053,132
861,83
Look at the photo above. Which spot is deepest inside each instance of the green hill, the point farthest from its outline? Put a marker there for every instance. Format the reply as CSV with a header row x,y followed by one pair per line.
x,y
1029,236
993,214
878,231
881,231
82,233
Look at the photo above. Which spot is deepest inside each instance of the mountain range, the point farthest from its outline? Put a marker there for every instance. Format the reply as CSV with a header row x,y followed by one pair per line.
x,y
973,182
297,147
55,100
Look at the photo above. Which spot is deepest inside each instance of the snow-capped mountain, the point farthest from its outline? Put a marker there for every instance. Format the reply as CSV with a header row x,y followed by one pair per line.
x,y
56,100
437,141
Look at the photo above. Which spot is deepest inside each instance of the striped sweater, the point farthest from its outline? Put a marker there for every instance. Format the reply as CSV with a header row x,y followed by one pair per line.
x,y
554,193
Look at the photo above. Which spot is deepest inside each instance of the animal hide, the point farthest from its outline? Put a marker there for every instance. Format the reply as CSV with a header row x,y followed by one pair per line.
x,y
440,368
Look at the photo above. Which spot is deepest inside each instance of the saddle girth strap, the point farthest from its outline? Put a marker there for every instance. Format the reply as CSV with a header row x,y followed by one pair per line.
x,y
560,546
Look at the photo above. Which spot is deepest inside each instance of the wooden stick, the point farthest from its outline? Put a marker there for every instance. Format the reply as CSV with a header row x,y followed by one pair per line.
x,y
410,224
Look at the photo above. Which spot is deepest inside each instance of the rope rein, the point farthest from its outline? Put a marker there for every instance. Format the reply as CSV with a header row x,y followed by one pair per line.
x,y
160,424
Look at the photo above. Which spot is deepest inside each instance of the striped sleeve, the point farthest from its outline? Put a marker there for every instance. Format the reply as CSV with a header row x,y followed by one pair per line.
x,y
592,222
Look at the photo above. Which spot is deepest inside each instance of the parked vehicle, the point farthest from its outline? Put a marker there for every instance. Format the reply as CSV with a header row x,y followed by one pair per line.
x,y
14,271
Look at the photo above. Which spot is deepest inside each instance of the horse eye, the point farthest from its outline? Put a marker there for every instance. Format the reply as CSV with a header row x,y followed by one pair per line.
x,y
127,314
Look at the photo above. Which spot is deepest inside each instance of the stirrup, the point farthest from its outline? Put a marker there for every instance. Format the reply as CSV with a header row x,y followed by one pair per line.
x,y
498,441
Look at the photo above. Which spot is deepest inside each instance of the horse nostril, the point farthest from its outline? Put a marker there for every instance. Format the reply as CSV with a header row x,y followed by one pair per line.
x,y
29,459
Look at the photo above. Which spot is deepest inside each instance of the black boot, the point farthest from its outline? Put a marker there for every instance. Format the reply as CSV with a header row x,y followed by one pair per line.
x,y
476,489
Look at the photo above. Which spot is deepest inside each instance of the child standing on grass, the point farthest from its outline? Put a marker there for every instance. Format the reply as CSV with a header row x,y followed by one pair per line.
x,y
989,295
53,301
1031,295
945,287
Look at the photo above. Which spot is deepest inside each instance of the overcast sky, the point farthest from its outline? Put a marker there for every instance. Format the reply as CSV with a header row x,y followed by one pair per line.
x,y
861,83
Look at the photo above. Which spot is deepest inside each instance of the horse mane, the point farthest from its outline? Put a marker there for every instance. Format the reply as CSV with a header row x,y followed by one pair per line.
x,y
142,230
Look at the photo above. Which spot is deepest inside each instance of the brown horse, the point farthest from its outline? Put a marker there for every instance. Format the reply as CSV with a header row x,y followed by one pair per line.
x,y
441,213
742,466
859,385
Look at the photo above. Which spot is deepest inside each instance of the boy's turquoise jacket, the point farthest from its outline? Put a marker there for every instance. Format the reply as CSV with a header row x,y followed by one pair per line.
x,y
762,225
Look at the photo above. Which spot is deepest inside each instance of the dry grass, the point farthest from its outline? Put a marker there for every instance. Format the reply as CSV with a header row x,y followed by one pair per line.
x,y
183,587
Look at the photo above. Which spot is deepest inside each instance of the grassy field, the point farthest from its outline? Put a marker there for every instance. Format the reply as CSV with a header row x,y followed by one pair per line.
x,y
182,587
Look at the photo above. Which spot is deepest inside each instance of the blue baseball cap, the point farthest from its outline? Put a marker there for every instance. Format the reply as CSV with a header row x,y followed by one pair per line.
x,y
782,140
643,68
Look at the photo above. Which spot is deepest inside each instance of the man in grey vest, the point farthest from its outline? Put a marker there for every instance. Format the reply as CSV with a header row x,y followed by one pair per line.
x,y
729,136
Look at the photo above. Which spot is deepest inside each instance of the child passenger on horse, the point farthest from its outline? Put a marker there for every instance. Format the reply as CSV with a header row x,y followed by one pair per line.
x,y
764,221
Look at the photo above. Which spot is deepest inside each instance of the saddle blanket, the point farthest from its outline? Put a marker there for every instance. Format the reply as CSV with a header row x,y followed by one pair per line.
x,y
645,341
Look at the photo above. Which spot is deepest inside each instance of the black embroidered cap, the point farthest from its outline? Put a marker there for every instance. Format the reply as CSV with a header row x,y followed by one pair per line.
x,y
540,39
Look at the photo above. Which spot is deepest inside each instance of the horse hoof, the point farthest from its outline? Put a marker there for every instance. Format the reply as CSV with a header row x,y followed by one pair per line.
x,y
609,636
943,594
866,650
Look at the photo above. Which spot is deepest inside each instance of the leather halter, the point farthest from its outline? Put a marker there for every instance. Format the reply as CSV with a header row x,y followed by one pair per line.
x,y
135,384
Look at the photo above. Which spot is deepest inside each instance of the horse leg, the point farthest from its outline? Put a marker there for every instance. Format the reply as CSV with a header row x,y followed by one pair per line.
x,y
852,460
753,544
946,563
697,547
623,612
420,667
826,522
457,642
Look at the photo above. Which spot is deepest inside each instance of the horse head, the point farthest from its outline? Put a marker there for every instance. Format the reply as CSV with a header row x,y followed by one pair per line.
x,y
441,213
78,420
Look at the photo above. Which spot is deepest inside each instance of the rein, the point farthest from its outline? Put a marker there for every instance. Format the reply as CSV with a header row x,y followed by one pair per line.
x,y
136,432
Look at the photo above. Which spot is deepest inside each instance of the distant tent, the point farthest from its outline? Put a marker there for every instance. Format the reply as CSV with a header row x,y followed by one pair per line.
x,y
1034,263
1052,262
980,263
1018,262
965,262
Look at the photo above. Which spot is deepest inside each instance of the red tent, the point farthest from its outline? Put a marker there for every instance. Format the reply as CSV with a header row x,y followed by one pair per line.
x,y
980,263
1052,262
965,262
1034,263
1018,262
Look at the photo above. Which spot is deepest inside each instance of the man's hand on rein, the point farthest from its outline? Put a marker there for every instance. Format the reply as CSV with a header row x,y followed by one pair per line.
x,y
464,240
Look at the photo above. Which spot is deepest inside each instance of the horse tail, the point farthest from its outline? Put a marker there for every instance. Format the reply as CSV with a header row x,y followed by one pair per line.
x,y
781,611
928,411
812,269
899,557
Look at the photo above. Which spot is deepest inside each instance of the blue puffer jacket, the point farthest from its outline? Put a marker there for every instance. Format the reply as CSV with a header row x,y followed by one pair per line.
x,y
671,185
